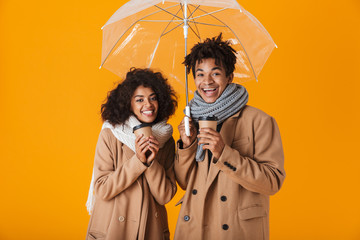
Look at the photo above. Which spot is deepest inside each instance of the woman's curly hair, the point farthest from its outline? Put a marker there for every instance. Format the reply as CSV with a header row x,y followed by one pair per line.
x,y
221,51
117,108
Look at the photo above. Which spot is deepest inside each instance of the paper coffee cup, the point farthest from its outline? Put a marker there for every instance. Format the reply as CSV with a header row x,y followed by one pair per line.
x,y
144,128
208,122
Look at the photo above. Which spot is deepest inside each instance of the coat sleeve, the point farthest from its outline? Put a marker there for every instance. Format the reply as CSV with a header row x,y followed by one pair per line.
x,y
161,178
185,163
110,181
265,172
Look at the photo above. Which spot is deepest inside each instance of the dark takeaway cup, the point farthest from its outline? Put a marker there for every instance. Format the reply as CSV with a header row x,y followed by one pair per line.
x,y
143,128
208,122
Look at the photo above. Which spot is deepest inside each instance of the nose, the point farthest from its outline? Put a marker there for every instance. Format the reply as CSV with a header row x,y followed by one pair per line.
x,y
208,79
147,103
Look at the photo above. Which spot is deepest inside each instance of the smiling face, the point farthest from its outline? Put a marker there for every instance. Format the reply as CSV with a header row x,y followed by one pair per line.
x,y
144,104
210,79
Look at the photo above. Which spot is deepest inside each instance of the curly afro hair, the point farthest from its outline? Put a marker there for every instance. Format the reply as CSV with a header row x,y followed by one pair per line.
x,y
216,48
117,108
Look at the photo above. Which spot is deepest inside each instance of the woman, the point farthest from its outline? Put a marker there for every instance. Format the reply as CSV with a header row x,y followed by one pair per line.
x,y
133,176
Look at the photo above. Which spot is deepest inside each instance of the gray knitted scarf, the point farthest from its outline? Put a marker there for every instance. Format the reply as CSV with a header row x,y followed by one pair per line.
x,y
232,100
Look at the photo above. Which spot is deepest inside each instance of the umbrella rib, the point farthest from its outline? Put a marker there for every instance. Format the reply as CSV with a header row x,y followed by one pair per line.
x,y
150,14
194,31
252,68
162,34
209,24
210,13
172,20
161,21
171,29
197,33
191,13
153,54
128,30
168,12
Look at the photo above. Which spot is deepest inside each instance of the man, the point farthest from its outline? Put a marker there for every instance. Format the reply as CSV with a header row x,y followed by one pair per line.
x,y
228,174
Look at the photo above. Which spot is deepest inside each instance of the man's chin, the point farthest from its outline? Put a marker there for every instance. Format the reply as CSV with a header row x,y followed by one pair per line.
x,y
209,100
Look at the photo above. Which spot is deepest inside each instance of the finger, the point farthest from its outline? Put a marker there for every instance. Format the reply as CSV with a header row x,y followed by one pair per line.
x,y
143,145
153,138
154,148
204,141
142,148
206,147
154,141
143,151
206,135
141,139
191,126
138,138
208,130
150,158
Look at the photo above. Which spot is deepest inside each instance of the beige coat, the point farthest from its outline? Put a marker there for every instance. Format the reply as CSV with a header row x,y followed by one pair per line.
x,y
130,197
231,199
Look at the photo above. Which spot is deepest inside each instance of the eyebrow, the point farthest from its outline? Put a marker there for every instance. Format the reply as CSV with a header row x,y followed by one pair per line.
x,y
214,68
143,95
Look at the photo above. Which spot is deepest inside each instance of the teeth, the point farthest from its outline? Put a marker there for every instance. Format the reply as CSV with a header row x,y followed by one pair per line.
x,y
209,89
148,112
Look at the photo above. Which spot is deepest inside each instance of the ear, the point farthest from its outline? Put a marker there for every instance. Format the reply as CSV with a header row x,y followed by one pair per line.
x,y
231,77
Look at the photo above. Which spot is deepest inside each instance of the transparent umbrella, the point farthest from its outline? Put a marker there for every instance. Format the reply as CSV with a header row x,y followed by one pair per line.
x,y
159,33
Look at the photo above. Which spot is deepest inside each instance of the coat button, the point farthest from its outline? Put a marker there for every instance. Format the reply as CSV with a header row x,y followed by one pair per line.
x,y
121,218
194,191
223,198
156,214
225,227
186,218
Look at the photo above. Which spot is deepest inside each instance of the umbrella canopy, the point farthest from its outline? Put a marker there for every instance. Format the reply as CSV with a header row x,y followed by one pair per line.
x,y
150,33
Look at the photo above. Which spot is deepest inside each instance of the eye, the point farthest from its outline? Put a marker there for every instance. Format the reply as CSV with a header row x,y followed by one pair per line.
x,y
199,75
216,74
139,100
154,98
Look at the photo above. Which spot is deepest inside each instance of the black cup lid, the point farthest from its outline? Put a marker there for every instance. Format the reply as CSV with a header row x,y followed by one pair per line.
x,y
141,126
208,118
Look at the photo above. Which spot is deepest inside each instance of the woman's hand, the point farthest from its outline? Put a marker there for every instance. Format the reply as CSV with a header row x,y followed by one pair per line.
x,y
187,141
153,147
141,146
212,140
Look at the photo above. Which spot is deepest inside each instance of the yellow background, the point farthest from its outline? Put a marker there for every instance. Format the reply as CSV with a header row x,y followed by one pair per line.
x,y
51,90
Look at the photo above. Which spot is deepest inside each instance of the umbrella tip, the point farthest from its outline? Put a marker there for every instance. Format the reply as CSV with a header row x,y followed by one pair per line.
x,y
100,67
276,46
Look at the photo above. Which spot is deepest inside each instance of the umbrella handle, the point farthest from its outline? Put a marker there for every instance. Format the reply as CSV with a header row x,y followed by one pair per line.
x,y
187,124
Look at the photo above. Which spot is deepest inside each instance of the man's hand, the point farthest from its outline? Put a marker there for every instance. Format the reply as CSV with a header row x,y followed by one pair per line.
x,y
187,141
212,140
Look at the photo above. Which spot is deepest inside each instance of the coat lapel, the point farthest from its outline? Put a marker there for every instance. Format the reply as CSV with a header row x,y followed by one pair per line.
x,y
128,152
227,133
